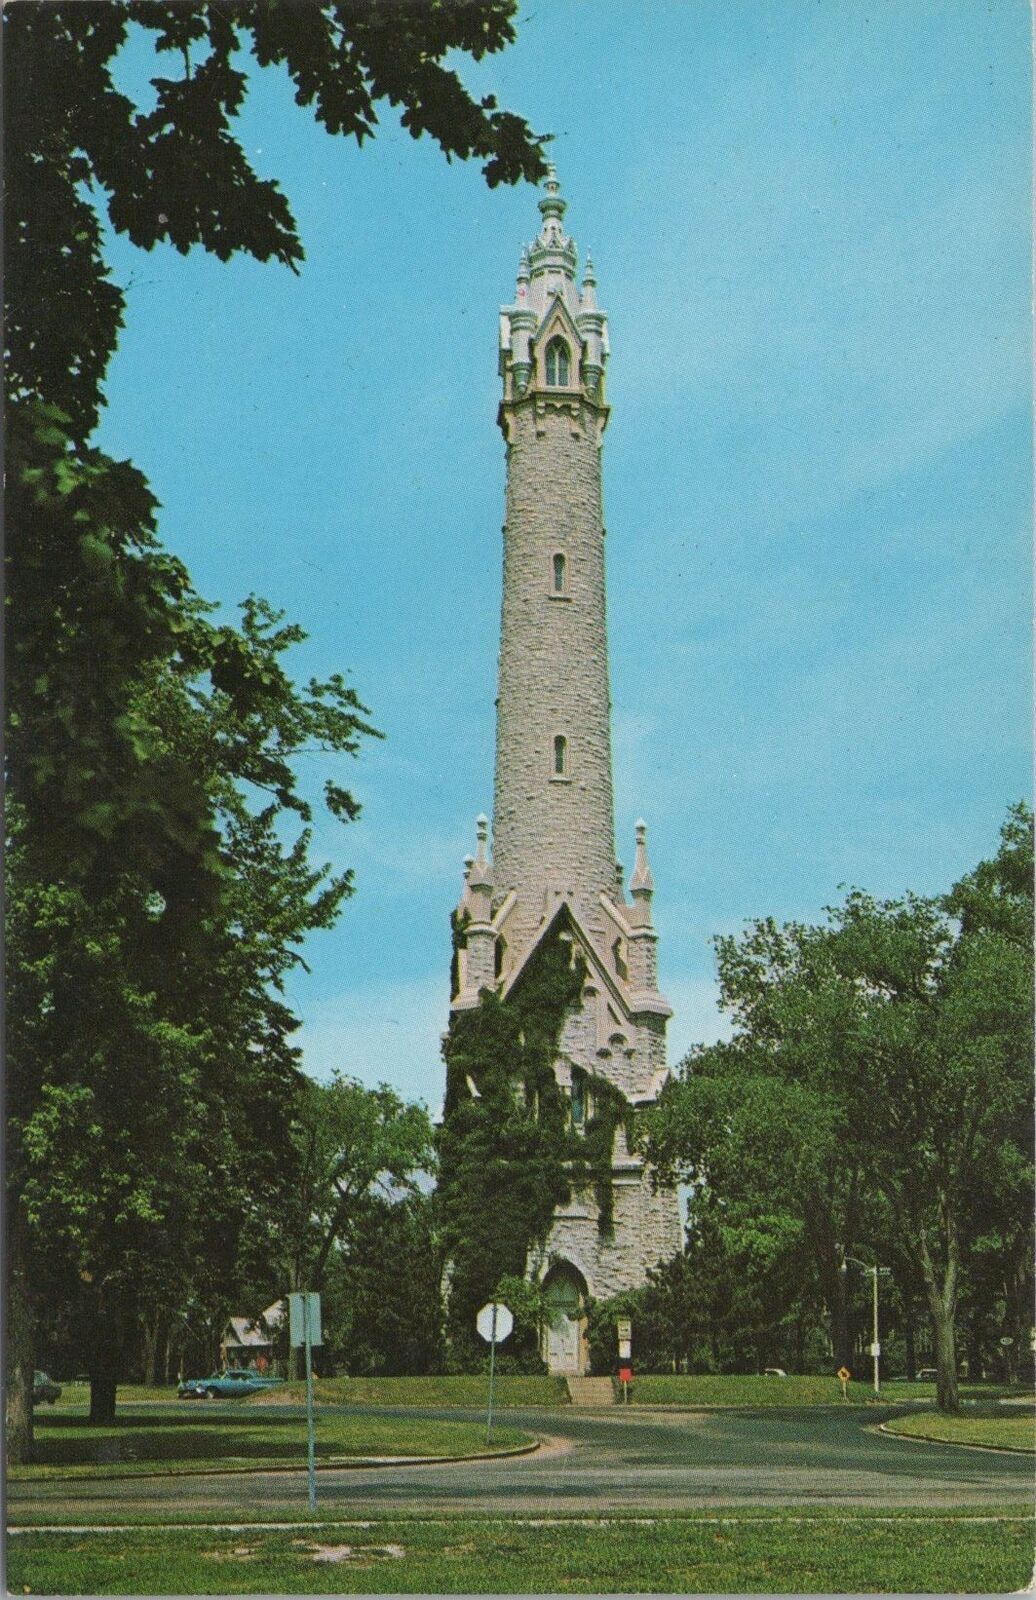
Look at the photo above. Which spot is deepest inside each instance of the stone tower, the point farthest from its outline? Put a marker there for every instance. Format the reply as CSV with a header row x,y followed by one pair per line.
x,y
553,856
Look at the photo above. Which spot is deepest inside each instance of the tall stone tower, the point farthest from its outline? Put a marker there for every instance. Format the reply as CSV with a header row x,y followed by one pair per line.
x,y
553,857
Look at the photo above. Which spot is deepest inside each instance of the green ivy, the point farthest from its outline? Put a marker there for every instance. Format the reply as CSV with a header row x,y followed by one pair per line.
x,y
508,1155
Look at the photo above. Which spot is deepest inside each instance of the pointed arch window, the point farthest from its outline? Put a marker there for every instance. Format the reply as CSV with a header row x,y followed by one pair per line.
x,y
558,362
560,756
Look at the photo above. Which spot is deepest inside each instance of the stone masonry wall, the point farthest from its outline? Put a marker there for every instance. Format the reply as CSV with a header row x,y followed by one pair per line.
x,y
552,834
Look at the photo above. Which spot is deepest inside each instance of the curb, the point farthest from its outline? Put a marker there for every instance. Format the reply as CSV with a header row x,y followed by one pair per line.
x,y
954,1444
344,1464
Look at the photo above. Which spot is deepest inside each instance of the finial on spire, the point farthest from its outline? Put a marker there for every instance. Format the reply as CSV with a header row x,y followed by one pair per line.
x,y
642,883
523,264
588,271
552,204
481,874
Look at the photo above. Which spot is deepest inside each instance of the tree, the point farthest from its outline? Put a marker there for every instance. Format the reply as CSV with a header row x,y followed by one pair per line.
x,y
118,848
383,1289
885,1054
175,171
769,1124
156,901
946,1057
351,1144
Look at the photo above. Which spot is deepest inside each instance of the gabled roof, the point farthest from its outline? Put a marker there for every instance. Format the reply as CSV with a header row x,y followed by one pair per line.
x,y
595,961
246,1332
557,303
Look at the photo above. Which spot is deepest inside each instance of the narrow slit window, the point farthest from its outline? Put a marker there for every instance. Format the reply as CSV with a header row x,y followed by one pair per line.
x,y
560,574
578,1098
560,755
557,363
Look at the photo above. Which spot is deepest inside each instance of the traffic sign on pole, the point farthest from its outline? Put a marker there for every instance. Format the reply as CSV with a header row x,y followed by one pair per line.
x,y
304,1332
493,1322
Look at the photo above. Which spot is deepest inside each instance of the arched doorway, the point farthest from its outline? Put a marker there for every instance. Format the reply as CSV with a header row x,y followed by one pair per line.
x,y
564,1338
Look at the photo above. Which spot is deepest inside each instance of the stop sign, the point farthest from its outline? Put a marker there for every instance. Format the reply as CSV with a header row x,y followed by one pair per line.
x,y
504,1321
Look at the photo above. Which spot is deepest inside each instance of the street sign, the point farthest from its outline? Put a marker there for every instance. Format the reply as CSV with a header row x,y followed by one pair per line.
x,y
875,1349
494,1322
504,1322
297,1311
304,1332
624,1329
844,1374
625,1374
625,1349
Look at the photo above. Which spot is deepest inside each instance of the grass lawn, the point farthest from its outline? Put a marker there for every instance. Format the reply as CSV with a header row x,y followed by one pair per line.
x,y
78,1394
1014,1430
467,1390
836,1553
183,1441
709,1390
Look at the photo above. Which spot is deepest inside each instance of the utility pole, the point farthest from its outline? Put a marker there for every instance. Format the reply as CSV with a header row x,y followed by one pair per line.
x,y
875,1340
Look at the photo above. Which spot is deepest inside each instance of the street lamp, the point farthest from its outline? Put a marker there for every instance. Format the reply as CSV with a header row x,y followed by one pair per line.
x,y
875,1345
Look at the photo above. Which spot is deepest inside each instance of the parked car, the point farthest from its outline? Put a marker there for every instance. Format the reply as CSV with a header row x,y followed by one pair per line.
x,y
225,1385
44,1388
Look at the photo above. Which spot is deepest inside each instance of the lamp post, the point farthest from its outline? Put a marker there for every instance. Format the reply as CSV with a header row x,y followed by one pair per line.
x,y
875,1343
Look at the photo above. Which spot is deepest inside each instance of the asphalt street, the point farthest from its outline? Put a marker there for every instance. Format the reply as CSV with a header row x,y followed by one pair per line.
x,y
599,1462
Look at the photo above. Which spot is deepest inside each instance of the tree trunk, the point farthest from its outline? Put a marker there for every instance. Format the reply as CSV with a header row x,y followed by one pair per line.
x,y
20,1357
104,1362
944,1336
102,1397
151,1351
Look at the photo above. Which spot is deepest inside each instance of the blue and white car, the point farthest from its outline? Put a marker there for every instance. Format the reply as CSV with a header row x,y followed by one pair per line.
x,y
238,1381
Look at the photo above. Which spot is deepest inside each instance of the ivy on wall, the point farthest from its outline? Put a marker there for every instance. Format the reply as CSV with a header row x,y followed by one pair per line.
x,y
508,1154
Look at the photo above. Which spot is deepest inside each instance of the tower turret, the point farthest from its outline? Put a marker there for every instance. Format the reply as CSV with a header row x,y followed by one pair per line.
x,y
554,874
553,831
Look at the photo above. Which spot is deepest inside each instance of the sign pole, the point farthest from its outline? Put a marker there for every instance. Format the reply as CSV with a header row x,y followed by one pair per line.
x,y
311,1443
492,1365
875,1346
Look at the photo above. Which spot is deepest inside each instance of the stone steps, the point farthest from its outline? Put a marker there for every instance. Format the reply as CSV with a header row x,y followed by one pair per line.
x,y
591,1391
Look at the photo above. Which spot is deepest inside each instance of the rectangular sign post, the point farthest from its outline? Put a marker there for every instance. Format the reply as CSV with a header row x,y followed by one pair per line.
x,y
624,1330
304,1331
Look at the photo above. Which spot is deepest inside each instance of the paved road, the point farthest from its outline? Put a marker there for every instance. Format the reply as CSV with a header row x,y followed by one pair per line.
x,y
605,1461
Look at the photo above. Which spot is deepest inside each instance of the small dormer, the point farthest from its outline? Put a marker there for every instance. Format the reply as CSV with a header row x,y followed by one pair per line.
x,y
557,351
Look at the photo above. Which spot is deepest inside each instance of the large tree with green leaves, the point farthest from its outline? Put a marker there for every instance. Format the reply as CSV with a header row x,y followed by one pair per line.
x,y
174,170
767,1125
880,1076
132,869
352,1144
946,1047
158,897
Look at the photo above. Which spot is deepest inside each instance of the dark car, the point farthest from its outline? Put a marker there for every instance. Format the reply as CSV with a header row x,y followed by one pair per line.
x,y
225,1385
44,1388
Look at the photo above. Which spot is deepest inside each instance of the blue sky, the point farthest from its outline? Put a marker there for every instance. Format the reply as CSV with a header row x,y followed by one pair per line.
x,y
810,228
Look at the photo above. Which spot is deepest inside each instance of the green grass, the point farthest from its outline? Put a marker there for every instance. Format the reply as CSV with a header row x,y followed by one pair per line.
x,y
78,1394
1008,1431
178,1441
470,1390
750,1390
838,1553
